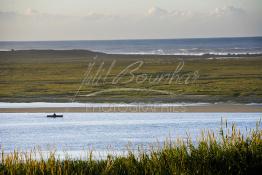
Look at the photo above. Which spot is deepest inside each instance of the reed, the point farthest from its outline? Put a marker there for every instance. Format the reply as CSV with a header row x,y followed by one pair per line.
x,y
227,152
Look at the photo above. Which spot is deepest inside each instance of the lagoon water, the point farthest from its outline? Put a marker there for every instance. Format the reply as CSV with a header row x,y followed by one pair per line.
x,y
76,132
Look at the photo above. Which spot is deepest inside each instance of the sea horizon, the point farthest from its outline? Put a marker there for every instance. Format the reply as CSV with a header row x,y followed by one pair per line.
x,y
121,39
179,46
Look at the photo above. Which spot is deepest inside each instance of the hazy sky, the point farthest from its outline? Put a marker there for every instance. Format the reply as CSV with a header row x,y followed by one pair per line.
x,y
128,19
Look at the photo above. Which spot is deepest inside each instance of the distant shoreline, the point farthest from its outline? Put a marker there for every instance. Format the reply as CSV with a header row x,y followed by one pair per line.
x,y
88,51
221,107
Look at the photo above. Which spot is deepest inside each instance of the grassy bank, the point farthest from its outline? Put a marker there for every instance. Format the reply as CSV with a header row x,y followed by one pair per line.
x,y
57,75
230,152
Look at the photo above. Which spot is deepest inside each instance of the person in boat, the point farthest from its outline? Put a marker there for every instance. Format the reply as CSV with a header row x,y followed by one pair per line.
x,y
54,115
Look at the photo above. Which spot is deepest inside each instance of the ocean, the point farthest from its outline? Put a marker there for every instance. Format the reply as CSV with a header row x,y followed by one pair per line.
x,y
196,46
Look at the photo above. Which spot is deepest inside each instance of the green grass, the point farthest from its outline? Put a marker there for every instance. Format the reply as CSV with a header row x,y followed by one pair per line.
x,y
230,152
56,76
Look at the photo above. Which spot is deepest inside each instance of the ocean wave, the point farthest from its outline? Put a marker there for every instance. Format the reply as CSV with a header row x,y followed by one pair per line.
x,y
156,52
187,54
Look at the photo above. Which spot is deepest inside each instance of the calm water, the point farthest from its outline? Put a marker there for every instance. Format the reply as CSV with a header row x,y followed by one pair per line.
x,y
100,130
222,46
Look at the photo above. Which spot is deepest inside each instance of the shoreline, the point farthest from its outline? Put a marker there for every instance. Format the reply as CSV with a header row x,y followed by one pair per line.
x,y
212,108
181,55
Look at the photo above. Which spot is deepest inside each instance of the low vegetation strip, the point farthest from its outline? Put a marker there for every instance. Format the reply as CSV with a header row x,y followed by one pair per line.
x,y
58,76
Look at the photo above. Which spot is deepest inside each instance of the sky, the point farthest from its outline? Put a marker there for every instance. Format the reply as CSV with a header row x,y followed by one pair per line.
x,y
28,20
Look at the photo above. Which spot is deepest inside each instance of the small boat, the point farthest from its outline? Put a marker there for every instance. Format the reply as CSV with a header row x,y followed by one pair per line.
x,y
54,115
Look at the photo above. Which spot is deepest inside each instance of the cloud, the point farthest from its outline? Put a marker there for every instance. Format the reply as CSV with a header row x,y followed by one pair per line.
x,y
30,12
7,15
89,15
98,16
156,11
218,12
154,23
184,13
229,10
34,14
159,12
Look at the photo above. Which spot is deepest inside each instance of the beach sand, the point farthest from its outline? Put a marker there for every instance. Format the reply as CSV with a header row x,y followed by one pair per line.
x,y
202,108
